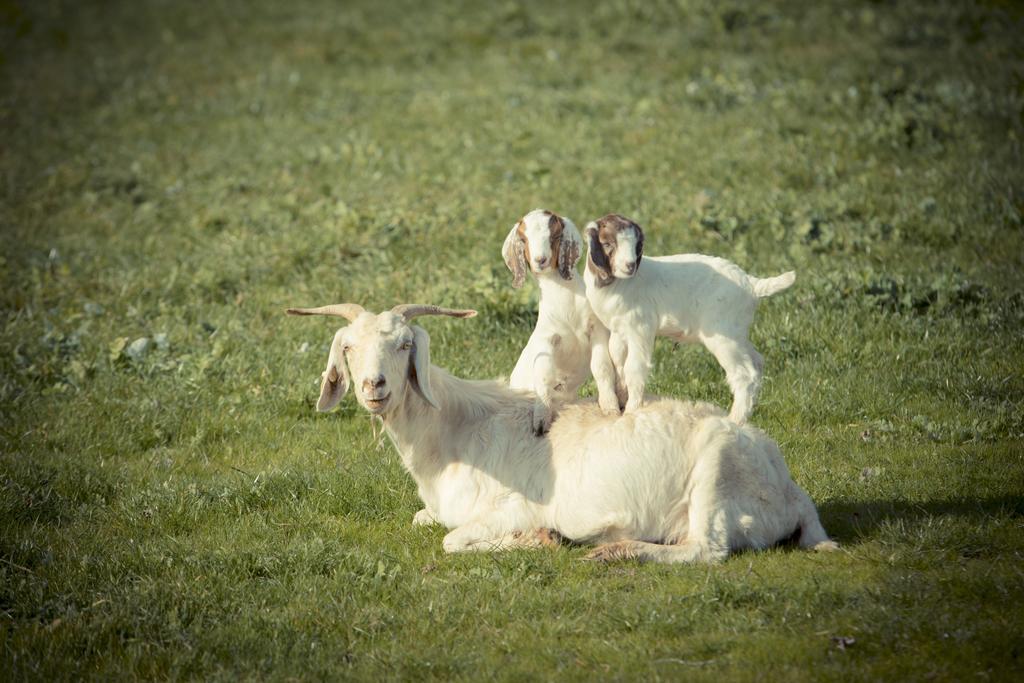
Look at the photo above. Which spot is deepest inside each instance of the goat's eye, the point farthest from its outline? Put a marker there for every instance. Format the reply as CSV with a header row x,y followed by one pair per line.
x,y
608,246
346,348
405,346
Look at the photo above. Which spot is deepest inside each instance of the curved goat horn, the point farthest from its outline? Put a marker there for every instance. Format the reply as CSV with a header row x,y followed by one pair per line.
x,y
410,311
348,311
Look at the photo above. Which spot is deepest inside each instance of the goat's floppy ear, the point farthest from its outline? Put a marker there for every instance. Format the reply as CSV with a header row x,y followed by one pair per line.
x,y
639,244
514,254
419,369
569,250
335,378
597,260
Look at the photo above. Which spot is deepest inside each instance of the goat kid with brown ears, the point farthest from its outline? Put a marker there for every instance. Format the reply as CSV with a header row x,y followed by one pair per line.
x,y
686,297
569,343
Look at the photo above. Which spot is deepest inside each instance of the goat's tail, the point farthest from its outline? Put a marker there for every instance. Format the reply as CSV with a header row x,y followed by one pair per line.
x,y
772,285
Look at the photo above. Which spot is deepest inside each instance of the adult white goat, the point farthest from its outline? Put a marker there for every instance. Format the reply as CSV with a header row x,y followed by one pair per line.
x,y
673,482
569,342
687,297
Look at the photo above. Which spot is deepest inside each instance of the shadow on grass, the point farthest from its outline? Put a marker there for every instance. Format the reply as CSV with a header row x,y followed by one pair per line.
x,y
862,520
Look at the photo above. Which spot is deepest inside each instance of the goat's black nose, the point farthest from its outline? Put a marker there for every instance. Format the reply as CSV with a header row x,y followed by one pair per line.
x,y
541,261
631,267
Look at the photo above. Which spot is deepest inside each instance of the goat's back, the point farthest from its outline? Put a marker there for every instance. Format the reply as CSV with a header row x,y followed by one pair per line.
x,y
629,475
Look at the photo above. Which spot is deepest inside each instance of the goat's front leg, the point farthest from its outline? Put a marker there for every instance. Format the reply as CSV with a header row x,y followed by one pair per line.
x,y
603,370
617,352
423,518
485,535
636,369
544,379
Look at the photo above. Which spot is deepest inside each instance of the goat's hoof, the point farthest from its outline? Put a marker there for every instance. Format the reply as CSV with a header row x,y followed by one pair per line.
x,y
423,518
453,544
538,538
612,552
542,419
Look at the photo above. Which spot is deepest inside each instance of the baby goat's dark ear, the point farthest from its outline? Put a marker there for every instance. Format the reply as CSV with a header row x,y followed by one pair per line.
x,y
569,249
514,253
639,244
597,260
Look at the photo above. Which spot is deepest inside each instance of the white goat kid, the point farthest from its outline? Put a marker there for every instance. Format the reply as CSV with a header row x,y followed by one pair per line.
x,y
672,482
568,343
687,297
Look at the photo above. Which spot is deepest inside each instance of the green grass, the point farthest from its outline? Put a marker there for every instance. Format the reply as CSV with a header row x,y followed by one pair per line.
x,y
191,170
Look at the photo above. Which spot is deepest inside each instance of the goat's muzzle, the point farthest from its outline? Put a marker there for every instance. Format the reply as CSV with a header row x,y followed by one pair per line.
x,y
376,398
376,393
377,406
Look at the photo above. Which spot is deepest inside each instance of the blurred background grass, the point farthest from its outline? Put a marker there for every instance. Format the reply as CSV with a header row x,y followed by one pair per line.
x,y
178,173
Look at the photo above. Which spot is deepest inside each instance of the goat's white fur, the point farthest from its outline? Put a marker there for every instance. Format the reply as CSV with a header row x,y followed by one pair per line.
x,y
688,298
569,343
671,482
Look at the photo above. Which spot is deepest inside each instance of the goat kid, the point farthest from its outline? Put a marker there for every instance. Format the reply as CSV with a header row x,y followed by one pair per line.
x,y
686,297
568,343
671,482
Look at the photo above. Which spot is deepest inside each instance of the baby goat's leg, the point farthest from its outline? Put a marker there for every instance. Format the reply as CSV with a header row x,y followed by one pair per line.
x,y
636,369
617,351
544,379
604,371
743,366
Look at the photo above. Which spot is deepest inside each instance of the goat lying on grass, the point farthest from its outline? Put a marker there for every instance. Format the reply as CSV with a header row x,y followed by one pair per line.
x,y
671,482
569,342
687,297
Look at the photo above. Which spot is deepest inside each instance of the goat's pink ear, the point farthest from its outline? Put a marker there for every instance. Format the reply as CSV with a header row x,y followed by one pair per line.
x,y
335,378
568,250
419,368
514,253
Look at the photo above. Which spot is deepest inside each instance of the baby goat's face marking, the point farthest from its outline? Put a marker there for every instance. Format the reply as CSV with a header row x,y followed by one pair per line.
x,y
541,233
616,247
542,241
627,257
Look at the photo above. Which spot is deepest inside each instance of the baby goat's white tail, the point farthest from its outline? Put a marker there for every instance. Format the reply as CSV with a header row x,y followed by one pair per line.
x,y
772,285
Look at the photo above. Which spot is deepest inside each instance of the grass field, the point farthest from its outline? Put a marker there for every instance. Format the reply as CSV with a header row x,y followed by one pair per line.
x,y
182,172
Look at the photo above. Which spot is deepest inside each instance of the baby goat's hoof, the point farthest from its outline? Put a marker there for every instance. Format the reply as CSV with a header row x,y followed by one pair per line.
x,y
542,419
610,408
